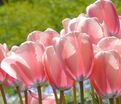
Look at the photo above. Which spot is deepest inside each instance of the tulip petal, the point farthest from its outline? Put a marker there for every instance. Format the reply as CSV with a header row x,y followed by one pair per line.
x,y
43,37
106,72
105,11
17,68
77,53
110,43
33,57
54,70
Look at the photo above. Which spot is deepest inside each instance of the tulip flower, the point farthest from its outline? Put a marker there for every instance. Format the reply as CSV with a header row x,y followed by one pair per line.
x,y
105,11
44,38
85,25
76,51
54,68
107,68
25,64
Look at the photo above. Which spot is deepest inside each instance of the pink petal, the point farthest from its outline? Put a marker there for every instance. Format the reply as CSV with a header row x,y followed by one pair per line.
x,y
17,68
106,72
89,26
76,50
65,23
92,28
119,33
54,70
3,51
43,37
2,75
32,53
110,43
105,11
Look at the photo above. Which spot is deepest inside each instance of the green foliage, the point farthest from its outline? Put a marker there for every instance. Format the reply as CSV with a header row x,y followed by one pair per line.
x,y
20,17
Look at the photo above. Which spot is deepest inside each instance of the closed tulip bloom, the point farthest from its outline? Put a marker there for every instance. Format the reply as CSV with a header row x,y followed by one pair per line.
x,y
105,11
55,70
107,67
77,53
44,38
25,63
106,73
85,25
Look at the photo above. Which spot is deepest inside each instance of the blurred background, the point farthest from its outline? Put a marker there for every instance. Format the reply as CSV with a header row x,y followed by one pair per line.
x,y
20,17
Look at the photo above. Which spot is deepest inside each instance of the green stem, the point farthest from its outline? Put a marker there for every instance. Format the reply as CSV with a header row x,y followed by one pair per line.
x,y
119,100
19,94
39,94
93,94
3,94
81,92
74,93
56,97
26,97
100,100
62,97
111,100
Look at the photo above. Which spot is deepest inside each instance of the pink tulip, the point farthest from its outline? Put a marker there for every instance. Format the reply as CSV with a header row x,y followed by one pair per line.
x,y
106,74
77,53
85,25
107,67
43,37
55,69
3,54
25,63
105,11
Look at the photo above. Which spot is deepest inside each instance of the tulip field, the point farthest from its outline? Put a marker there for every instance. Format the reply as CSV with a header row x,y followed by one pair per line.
x,y
60,52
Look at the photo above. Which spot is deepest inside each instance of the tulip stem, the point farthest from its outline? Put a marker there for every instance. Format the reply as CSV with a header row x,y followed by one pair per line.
x,y
81,92
3,94
100,100
62,97
56,97
119,99
74,93
26,97
111,100
19,94
39,94
93,94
